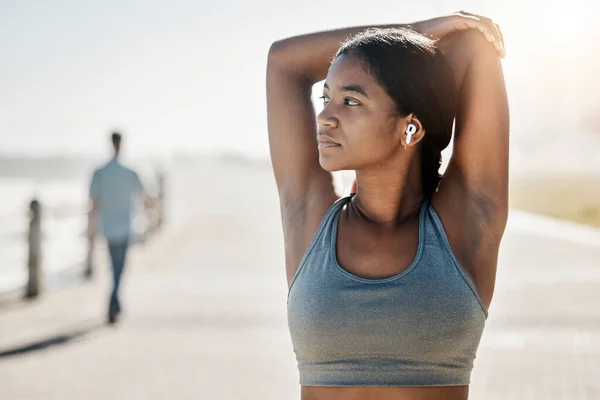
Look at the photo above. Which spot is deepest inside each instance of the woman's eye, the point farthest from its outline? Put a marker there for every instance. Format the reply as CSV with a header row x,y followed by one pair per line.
x,y
347,101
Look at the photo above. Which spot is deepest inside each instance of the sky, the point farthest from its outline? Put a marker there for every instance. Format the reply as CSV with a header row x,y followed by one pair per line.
x,y
189,76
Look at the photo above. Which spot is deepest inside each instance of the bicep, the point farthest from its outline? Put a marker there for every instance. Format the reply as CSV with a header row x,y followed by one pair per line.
x,y
292,138
94,189
137,185
305,190
478,168
93,206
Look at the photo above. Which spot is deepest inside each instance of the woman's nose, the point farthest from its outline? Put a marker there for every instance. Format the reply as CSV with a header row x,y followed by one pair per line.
x,y
326,118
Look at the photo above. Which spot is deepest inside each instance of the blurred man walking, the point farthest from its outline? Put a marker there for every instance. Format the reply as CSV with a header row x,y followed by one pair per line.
x,y
113,190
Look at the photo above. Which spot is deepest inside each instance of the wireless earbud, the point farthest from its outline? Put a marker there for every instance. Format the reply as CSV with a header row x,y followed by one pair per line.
x,y
409,132
412,128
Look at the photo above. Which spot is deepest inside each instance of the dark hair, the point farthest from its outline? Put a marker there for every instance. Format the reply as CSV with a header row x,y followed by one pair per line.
x,y
419,79
116,139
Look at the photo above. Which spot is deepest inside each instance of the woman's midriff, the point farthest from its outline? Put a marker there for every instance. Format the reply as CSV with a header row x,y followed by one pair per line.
x,y
385,393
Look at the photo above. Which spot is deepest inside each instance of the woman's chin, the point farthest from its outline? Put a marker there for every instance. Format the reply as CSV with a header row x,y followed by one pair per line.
x,y
329,164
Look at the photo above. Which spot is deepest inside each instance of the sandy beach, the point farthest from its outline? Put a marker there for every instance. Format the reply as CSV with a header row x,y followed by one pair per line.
x,y
205,309
574,197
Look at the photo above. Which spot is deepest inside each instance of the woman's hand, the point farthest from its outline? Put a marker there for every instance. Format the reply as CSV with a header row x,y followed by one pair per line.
x,y
441,27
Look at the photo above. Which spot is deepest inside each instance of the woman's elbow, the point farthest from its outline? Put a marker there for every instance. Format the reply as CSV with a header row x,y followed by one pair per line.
x,y
277,54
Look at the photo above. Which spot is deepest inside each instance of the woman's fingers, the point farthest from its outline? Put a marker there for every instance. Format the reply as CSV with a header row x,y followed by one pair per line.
x,y
501,39
497,33
492,26
475,23
490,30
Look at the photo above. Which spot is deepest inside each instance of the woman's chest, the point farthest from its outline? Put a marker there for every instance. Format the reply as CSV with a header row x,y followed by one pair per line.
x,y
371,254
425,304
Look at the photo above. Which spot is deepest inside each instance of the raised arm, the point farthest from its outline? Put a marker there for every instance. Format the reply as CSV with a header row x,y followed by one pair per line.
x,y
472,199
477,175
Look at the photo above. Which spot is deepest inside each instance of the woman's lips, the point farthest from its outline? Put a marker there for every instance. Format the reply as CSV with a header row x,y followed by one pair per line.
x,y
325,142
325,145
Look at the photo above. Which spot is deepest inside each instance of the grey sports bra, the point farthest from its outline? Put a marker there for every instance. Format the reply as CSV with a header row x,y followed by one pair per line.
x,y
421,327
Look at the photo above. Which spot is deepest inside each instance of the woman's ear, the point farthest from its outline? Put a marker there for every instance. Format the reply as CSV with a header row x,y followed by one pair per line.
x,y
413,131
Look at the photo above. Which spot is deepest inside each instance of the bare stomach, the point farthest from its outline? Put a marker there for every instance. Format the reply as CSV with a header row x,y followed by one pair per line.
x,y
385,393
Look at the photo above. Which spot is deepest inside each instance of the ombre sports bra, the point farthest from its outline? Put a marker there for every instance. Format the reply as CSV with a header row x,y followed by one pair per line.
x,y
421,327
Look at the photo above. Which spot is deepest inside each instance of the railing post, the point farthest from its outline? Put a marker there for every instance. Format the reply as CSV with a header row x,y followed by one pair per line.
x,y
35,250
88,272
160,206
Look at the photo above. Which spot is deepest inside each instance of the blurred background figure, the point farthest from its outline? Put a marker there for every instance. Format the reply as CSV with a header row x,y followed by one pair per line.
x,y
113,190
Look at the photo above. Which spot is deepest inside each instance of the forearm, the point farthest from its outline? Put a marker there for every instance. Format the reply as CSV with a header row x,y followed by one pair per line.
x,y
92,220
308,56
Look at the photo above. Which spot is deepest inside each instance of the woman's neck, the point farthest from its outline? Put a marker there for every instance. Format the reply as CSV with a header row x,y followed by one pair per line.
x,y
389,196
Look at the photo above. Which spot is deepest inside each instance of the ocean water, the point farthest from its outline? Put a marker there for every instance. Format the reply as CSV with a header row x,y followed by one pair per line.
x,y
64,225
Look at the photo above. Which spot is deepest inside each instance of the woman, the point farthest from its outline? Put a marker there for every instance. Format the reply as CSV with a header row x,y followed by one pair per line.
x,y
389,287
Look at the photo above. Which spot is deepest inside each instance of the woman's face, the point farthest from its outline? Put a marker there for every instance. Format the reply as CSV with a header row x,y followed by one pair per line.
x,y
359,117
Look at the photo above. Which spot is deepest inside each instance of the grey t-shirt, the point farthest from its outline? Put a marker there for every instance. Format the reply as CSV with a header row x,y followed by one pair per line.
x,y
115,187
